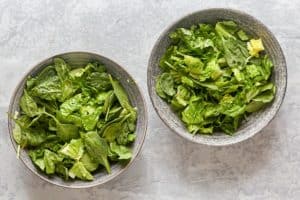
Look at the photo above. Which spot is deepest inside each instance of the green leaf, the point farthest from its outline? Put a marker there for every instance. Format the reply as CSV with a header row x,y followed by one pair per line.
x,y
181,99
74,149
97,148
112,131
50,160
37,157
265,97
69,119
131,137
90,116
113,113
73,104
120,94
43,76
226,29
88,163
254,106
103,96
31,137
167,84
78,170
193,114
66,132
236,53
61,68
108,102
17,134
121,151
195,65
62,171
242,35
127,129
28,105
63,72
230,107
99,81
49,90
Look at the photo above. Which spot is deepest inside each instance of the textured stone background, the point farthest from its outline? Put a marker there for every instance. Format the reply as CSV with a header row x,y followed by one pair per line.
x,y
168,168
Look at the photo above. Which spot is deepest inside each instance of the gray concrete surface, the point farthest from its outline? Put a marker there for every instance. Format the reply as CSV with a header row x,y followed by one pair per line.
x,y
168,168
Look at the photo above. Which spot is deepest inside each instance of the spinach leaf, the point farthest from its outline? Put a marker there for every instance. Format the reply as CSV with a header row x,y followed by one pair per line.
x,y
73,104
74,119
88,163
66,132
112,131
49,90
37,157
121,151
63,72
167,84
28,105
97,148
90,116
120,94
50,160
98,81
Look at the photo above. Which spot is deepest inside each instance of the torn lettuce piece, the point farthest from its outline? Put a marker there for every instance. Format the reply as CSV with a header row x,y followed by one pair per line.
x,y
74,149
78,170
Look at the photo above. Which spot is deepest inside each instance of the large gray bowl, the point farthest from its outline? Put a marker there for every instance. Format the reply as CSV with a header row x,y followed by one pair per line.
x,y
256,121
135,96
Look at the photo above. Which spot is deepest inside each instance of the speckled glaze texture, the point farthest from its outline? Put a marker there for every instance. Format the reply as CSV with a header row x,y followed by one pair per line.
x,y
255,122
79,59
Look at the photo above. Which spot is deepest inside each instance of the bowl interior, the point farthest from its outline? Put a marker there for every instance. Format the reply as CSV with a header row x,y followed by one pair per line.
x,y
256,121
78,59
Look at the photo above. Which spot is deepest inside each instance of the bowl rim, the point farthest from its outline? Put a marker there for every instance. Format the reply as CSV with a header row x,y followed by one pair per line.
x,y
89,184
184,134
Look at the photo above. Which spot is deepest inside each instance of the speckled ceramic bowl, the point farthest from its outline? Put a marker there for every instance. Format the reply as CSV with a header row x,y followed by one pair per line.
x,y
256,121
135,96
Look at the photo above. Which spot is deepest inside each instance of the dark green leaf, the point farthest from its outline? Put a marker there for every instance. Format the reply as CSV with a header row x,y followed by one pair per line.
x,y
28,105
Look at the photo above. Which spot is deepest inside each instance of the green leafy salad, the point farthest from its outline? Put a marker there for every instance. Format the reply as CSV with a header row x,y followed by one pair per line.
x,y
75,121
214,76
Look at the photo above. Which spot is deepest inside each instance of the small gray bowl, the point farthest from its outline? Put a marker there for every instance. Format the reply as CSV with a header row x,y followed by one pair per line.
x,y
78,59
257,121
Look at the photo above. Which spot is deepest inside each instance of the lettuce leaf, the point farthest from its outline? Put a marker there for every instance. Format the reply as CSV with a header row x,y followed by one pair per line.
x,y
214,76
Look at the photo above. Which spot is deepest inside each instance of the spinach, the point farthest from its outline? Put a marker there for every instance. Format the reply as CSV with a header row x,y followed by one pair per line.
x,y
74,120
88,163
97,148
122,152
214,76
